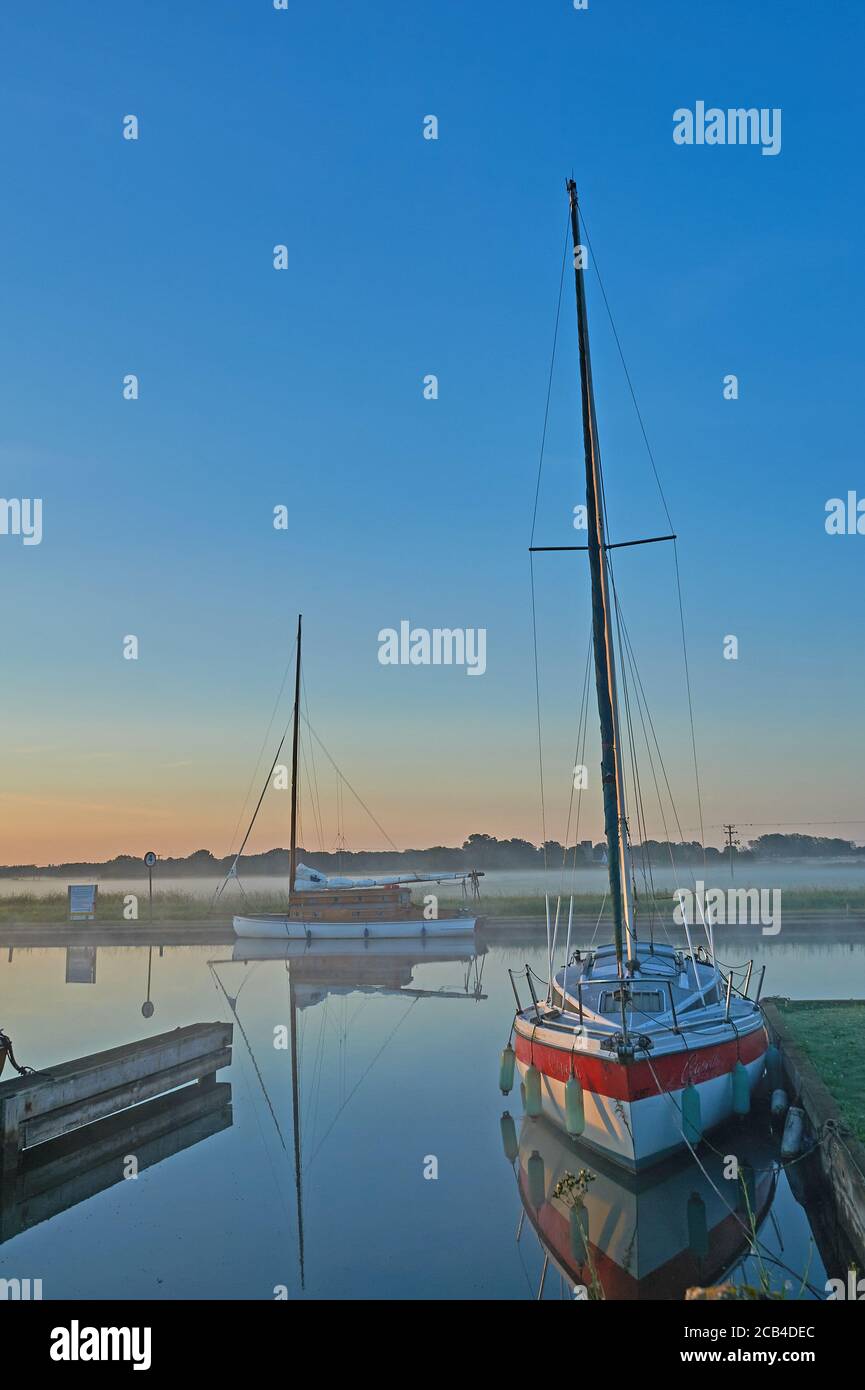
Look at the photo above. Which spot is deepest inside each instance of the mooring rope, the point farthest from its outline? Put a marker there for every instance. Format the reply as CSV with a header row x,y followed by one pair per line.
x,y
6,1046
759,1250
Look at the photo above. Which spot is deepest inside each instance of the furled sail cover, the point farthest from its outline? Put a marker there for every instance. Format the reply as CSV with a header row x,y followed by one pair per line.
x,y
306,879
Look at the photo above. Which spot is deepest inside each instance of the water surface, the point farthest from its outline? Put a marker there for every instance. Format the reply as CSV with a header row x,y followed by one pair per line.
x,y
397,1076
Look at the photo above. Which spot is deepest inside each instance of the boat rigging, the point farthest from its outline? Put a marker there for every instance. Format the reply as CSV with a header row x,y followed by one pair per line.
x,y
637,1048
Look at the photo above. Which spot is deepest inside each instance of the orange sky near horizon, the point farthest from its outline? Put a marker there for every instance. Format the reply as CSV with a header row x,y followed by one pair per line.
x,y
174,806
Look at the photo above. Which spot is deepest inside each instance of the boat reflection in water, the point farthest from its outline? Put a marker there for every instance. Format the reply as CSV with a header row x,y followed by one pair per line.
x,y
320,968
638,1236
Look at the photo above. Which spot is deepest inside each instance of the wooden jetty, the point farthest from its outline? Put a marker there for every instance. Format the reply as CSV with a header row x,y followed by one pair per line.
x,y
65,1131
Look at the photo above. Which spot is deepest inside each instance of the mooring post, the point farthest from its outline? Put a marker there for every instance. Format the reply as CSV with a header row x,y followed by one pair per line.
x,y
10,1133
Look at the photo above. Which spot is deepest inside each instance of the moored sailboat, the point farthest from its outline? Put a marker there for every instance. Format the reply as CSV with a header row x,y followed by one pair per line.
x,y
638,1047
344,908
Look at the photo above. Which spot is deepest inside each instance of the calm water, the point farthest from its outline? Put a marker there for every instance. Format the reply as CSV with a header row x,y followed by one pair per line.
x,y
387,1079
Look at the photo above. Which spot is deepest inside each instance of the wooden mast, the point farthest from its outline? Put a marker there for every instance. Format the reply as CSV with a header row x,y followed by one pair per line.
x,y
292,861
612,772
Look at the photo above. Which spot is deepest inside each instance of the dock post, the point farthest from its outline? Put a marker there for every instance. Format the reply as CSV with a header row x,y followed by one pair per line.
x,y
10,1134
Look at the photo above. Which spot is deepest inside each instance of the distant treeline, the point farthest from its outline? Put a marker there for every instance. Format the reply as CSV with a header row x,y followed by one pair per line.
x,y
478,852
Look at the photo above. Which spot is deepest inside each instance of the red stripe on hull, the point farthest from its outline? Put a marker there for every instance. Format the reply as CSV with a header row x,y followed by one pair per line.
x,y
634,1081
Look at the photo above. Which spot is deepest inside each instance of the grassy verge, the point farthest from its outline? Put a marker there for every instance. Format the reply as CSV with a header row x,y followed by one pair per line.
x,y
833,1036
167,907
180,907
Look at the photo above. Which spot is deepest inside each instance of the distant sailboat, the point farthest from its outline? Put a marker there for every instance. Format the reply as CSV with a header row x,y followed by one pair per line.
x,y
344,908
639,1047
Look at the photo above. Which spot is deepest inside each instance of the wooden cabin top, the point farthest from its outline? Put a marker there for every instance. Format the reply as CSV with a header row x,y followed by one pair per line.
x,y
352,904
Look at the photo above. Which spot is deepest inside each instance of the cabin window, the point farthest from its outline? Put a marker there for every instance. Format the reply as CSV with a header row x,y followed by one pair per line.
x,y
646,1001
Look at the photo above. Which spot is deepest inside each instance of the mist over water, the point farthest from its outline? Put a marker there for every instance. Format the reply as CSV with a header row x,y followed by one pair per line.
x,y
495,883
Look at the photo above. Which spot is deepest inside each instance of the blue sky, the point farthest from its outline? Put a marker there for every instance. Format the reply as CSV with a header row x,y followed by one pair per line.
x,y
304,387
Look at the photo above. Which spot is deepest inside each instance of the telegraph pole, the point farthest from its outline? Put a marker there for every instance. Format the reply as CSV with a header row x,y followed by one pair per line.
x,y
732,843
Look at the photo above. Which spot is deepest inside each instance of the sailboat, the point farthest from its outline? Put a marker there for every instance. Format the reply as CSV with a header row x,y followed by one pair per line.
x,y
639,1048
342,908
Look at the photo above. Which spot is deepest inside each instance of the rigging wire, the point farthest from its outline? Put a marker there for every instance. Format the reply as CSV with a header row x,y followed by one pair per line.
x,y
314,789
355,794
221,888
538,711
532,540
233,1009
628,659
361,1079
635,775
643,706
550,381
288,666
534,516
758,1248
309,1119
644,433
579,761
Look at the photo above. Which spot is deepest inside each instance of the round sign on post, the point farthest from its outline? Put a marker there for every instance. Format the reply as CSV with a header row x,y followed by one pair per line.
x,y
150,860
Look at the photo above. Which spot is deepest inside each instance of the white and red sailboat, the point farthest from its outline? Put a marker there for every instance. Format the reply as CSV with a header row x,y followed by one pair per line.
x,y
638,1048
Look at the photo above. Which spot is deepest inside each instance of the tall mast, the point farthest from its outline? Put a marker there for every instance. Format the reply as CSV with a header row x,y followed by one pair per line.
x,y
612,772
292,862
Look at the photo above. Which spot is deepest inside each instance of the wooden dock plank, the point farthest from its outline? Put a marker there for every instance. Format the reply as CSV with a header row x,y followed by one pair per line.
x,y
62,1119
37,1108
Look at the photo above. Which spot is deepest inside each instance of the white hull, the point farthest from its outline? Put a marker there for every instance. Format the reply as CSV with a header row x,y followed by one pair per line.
x,y
277,927
637,1134
682,1028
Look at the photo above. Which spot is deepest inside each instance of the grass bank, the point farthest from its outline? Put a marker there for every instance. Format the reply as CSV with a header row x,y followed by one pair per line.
x,y
832,1036
114,907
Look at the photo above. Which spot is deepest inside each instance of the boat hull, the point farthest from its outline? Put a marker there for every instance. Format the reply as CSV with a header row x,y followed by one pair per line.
x,y
279,927
635,1233
633,1110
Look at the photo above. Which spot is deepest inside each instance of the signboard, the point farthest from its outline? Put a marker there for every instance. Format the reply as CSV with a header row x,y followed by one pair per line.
x,y
82,901
81,965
